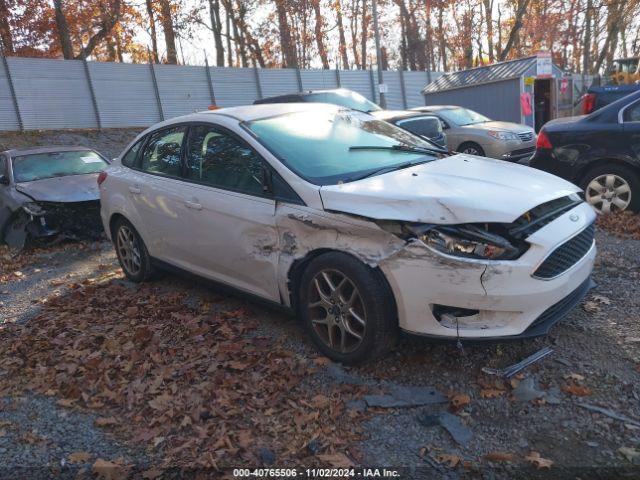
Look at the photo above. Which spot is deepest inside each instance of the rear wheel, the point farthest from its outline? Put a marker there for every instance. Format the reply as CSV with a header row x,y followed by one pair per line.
x,y
612,188
132,253
471,148
347,308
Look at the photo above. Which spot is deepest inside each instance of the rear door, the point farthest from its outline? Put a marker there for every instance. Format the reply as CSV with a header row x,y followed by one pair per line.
x,y
231,233
154,188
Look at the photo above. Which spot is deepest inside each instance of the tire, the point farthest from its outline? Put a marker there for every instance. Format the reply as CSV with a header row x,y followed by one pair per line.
x,y
370,314
471,148
129,247
612,184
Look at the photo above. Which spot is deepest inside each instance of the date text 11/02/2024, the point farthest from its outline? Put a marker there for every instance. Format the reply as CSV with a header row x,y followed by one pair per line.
x,y
315,472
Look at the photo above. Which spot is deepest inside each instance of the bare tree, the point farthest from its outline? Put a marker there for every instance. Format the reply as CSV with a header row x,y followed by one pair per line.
x,y
322,51
63,30
216,28
517,25
110,18
6,39
169,31
152,28
289,54
342,41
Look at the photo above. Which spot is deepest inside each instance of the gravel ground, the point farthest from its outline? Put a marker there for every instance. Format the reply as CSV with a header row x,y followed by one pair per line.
x,y
596,347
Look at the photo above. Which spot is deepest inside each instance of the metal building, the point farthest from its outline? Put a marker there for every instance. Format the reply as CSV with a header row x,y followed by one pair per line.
x,y
502,91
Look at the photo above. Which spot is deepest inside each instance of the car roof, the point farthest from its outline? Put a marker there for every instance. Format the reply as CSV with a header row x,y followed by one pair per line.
x,y
435,108
390,115
247,113
16,152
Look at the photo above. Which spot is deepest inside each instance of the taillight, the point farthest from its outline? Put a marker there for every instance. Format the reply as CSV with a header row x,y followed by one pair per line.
x,y
102,177
543,141
588,103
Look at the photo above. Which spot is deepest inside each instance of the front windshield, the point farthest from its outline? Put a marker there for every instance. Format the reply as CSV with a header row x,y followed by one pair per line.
x,y
27,168
463,116
319,144
344,98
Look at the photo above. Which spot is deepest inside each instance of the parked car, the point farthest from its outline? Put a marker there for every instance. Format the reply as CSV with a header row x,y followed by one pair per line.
x,y
599,152
472,133
424,125
46,191
336,96
353,223
598,97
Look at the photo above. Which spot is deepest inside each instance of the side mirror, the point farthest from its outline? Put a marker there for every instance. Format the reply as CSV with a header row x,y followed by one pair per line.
x,y
4,180
444,125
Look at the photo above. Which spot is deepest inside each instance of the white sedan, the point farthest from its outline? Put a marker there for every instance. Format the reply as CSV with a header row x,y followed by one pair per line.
x,y
357,226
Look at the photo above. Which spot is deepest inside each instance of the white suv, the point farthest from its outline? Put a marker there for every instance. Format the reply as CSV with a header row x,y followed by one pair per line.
x,y
356,225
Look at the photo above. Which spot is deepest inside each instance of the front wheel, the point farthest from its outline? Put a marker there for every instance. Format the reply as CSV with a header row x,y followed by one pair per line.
x,y
347,309
132,252
471,148
612,188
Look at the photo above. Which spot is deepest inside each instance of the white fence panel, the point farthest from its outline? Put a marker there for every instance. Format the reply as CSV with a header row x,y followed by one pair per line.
x,y
8,117
358,81
278,81
183,89
125,94
234,86
52,94
394,96
318,79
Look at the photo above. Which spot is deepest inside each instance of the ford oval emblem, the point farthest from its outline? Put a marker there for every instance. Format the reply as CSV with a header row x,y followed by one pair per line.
x,y
574,218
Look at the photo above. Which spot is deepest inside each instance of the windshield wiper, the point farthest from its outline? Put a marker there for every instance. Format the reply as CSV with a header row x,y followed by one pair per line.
x,y
400,147
383,170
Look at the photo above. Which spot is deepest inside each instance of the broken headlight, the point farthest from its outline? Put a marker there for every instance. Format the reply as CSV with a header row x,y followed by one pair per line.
x,y
33,209
471,241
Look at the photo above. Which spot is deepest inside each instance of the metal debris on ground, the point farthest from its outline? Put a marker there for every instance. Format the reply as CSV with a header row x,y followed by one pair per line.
x,y
406,397
527,390
610,413
521,365
451,423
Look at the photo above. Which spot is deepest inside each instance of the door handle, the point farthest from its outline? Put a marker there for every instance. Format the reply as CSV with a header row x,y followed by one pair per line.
x,y
135,189
193,205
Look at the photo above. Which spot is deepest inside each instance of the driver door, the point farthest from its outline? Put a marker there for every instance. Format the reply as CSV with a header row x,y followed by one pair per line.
x,y
231,231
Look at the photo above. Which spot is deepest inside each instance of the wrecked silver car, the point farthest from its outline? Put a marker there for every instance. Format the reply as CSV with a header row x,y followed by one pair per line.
x,y
49,192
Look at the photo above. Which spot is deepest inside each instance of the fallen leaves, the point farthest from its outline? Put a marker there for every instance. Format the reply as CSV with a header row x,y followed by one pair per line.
x,y
460,400
537,461
623,224
500,457
491,393
576,389
190,384
449,460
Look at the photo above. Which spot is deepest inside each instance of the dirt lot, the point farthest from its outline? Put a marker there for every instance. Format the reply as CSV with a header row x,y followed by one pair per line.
x,y
98,374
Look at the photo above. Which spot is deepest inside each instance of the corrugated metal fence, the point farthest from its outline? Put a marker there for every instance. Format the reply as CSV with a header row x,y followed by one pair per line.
x,y
56,94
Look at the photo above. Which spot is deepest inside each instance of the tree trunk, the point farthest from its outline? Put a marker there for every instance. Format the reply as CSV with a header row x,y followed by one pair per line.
x,y
365,33
289,55
586,45
517,25
154,34
6,38
442,36
342,45
169,32
488,18
216,28
355,7
63,30
322,51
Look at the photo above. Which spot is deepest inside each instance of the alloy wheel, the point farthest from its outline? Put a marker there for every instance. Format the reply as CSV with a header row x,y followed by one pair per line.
x,y
471,151
608,193
128,250
336,311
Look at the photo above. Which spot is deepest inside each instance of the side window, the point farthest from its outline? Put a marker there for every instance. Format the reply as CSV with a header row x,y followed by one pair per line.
x,y
218,159
632,114
428,127
130,157
162,153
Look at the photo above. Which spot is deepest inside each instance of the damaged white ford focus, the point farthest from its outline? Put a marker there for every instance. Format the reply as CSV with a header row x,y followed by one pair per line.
x,y
358,226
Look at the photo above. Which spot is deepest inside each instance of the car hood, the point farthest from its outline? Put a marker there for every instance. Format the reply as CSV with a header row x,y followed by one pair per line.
x,y
72,188
451,190
502,126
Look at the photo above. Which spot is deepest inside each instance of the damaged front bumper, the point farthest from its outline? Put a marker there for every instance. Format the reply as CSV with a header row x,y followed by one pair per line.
x,y
47,220
444,296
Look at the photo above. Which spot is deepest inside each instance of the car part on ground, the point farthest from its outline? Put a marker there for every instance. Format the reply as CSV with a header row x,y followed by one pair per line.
x,y
48,194
516,368
599,152
474,134
354,223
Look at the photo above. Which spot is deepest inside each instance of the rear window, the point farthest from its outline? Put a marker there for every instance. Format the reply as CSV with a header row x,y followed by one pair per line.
x,y
38,166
